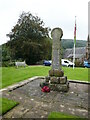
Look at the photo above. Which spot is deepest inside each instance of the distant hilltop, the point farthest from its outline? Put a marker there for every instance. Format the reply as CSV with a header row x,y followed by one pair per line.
x,y
68,43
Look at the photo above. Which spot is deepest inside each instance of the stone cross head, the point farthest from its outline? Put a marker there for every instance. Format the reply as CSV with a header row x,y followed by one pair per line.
x,y
57,33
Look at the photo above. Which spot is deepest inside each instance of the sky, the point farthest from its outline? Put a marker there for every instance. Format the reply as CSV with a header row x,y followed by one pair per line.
x,y
54,13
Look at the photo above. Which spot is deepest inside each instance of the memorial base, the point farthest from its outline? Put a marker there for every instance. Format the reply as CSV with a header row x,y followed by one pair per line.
x,y
59,87
60,84
57,83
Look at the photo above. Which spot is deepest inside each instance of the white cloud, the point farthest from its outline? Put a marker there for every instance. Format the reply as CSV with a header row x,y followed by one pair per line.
x,y
55,13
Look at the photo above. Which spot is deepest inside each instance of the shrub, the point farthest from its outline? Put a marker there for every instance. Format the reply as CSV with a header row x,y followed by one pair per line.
x,y
7,64
79,63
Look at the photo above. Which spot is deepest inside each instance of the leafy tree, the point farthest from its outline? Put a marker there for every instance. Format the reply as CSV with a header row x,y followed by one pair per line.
x,y
5,53
29,27
29,39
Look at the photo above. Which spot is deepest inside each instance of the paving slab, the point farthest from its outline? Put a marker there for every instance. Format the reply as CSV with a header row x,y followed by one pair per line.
x,y
36,104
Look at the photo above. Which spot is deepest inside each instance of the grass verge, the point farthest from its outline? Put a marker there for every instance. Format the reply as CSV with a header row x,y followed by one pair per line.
x,y
62,116
6,105
81,74
11,75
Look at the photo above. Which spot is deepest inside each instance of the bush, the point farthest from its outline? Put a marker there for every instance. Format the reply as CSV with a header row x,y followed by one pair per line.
x,y
79,63
12,64
7,64
40,62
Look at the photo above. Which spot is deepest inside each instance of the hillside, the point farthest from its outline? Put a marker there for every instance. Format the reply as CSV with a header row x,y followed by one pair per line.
x,y
68,43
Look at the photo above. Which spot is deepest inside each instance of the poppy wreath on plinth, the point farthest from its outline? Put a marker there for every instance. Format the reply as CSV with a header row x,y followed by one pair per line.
x,y
42,84
45,89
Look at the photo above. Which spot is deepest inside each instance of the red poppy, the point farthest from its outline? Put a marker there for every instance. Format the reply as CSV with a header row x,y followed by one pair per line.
x,y
45,89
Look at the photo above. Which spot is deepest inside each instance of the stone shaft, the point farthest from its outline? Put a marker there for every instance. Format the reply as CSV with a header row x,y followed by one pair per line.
x,y
56,58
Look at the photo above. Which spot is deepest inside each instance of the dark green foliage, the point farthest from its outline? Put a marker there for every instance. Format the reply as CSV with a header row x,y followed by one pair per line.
x,y
79,63
5,53
28,27
7,64
69,43
42,84
6,56
29,39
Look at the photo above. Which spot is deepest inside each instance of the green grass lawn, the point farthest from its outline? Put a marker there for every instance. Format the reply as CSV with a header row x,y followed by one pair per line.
x,y
6,105
76,74
57,115
11,75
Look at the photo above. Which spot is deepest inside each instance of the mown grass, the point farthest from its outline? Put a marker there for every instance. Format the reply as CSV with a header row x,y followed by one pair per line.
x,y
77,74
63,116
11,75
6,105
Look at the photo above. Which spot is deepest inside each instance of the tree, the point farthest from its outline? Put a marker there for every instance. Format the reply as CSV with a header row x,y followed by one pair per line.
x,y
29,27
28,38
5,53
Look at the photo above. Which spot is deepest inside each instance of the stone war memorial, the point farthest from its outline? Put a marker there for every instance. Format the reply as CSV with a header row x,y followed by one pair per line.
x,y
56,79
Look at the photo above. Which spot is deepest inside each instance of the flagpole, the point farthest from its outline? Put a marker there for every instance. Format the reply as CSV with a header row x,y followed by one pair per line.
x,y
73,55
74,44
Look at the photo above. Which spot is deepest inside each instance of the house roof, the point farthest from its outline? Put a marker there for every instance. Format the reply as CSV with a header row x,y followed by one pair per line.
x,y
76,56
79,52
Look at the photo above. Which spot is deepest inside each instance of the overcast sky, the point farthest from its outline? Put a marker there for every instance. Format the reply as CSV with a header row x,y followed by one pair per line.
x,y
54,13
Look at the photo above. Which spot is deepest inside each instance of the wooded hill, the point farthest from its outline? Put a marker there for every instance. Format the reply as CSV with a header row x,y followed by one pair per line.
x,y
68,43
